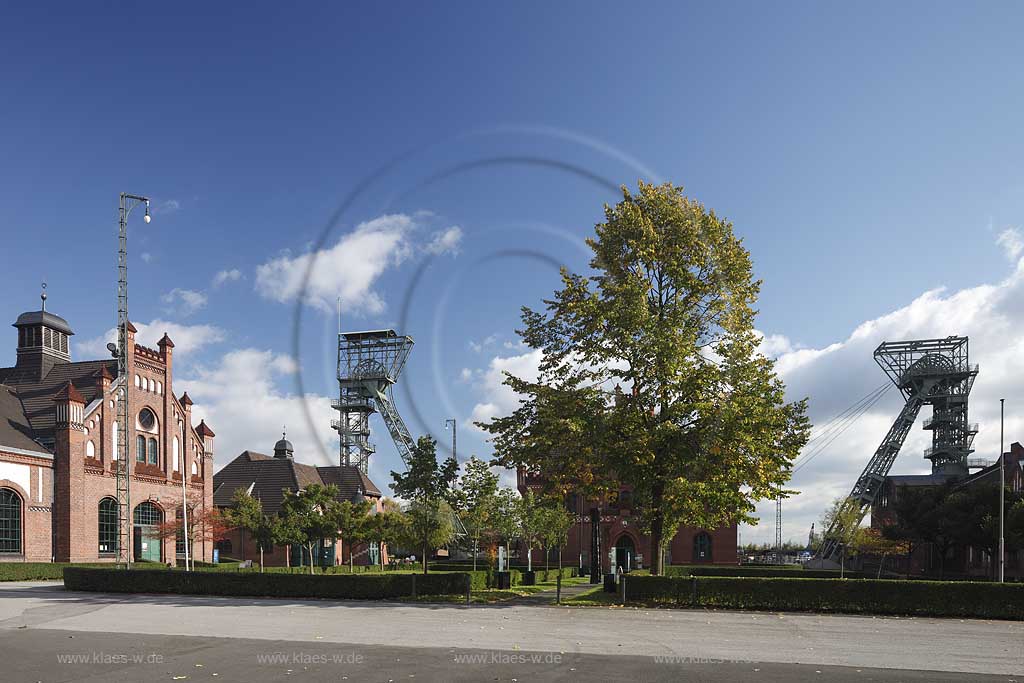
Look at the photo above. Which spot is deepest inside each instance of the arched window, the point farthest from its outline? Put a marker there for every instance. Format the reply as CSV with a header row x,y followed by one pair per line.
x,y
174,453
140,448
10,521
702,547
154,452
90,449
108,526
195,468
147,514
113,439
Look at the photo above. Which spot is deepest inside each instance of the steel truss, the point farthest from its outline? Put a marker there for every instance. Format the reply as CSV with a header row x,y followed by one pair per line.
x,y
932,372
369,364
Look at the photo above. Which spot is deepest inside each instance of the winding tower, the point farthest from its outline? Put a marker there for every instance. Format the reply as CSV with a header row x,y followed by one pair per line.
x,y
369,364
934,372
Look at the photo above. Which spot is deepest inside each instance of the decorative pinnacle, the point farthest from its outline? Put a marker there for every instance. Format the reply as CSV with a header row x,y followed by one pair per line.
x,y
43,296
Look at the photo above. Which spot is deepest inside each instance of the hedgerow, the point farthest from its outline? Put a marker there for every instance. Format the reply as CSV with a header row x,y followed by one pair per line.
x,y
859,596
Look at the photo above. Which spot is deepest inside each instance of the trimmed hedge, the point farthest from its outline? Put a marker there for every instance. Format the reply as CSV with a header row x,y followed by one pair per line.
x,y
340,587
762,571
862,596
40,571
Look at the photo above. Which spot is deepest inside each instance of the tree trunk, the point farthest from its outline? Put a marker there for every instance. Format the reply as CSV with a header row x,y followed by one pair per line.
x,y
312,569
261,558
547,560
351,569
657,528
476,549
425,556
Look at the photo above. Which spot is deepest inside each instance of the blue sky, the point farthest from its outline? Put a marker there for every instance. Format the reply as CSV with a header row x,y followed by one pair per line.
x,y
867,155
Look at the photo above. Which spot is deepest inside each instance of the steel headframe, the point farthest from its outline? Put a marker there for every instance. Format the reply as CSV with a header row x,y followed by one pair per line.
x,y
369,364
123,467
926,371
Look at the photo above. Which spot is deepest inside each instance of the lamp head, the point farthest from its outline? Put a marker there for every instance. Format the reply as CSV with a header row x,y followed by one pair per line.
x,y
112,347
146,217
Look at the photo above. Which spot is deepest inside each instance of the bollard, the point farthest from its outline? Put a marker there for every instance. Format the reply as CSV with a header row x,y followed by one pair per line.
x,y
622,585
558,588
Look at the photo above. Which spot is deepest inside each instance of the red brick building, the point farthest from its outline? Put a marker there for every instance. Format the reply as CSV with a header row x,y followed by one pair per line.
x,y
266,478
619,533
961,561
58,450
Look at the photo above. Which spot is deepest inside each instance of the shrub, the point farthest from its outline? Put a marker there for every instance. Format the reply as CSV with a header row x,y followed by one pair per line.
x,y
865,596
39,571
363,586
763,571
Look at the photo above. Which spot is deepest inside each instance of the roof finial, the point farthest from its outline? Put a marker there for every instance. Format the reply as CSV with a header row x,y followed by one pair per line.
x,y
284,431
43,296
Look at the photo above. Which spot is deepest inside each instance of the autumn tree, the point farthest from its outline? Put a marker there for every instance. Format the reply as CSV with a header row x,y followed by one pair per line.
x,y
699,425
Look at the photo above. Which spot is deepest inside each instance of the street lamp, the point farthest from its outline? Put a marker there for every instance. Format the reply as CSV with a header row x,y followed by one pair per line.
x,y
122,471
452,423
1002,494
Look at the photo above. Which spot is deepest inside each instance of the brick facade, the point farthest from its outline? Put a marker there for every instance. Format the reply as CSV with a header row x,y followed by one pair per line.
x,y
70,460
618,529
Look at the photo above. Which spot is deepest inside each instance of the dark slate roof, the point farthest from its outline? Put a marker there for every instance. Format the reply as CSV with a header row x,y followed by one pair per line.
x,y
347,479
270,477
37,396
43,318
15,430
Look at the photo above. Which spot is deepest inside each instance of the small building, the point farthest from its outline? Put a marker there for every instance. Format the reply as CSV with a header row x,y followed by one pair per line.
x,y
622,542
266,478
59,450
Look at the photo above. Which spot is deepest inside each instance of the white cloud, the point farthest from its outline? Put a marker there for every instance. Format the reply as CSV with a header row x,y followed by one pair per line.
x,y
232,275
187,338
498,399
240,399
165,206
445,241
836,375
349,269
1011,242
184,301
146,257
479,346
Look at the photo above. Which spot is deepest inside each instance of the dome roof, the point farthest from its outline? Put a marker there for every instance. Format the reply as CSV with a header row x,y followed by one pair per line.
x,y
43,318
283,448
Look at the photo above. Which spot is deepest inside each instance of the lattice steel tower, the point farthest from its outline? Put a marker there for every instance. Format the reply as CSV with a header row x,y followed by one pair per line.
x,y
927,371
368,366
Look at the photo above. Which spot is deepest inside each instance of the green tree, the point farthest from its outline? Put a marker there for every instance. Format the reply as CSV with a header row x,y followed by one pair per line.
x,y
531,525
845,514
310,516
430,525
353,524
474,500
426,483
505,518
247,513
701,429
387,527
555,523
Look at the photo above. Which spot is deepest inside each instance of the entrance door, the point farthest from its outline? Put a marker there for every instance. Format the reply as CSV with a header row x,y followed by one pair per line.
x,y
625,553
147,542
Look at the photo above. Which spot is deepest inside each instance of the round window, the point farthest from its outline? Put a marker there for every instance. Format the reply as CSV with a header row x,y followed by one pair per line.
x,y
147,420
